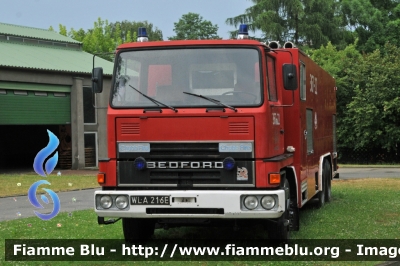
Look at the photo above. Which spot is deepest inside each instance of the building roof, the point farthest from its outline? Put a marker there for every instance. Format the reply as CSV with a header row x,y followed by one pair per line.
x,y
29,32
52,58
40,49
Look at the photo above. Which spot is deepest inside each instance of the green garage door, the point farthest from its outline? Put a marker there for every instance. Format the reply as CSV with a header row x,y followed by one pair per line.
x,y
34,104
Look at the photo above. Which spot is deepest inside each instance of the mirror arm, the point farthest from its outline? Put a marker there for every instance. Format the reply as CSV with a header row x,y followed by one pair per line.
x,y
93,94
93,100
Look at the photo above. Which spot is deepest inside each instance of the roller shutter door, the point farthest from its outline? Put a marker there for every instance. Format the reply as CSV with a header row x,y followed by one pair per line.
x,y
34,104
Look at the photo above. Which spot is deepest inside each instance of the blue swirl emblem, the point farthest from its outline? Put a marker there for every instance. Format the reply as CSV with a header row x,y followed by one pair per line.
x,y
38,167
32,198
44,153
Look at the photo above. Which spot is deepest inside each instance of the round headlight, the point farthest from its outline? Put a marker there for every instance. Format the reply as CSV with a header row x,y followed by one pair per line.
x,y
268,202
139,163
121,202
251,202
229,163
105,202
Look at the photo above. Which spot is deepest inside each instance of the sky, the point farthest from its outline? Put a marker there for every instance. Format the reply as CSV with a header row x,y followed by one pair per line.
x,y
83,13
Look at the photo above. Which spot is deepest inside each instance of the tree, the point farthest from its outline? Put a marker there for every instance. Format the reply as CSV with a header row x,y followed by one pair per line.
x,y
78,35
372,117
374,22
62,30
307,22
99,40
128,30
104,37
192,27
341,64
368,96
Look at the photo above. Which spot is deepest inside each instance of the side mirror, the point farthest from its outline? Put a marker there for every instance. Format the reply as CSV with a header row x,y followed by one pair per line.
x,y
97,80
289,77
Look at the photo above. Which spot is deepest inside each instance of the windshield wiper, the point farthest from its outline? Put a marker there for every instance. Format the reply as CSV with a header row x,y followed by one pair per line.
x,y
155,101
211,100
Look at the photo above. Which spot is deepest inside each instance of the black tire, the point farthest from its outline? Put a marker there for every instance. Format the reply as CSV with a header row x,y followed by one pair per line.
x,y
278,231
326,194
137,229
321,194
328,178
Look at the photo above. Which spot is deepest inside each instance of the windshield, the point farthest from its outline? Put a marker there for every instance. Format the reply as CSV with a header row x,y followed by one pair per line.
x,y
228,75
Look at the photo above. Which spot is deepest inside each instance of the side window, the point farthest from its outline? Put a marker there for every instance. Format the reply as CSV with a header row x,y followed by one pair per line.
x,y
302,81
334,132
309,132
271,79
89,113
90,142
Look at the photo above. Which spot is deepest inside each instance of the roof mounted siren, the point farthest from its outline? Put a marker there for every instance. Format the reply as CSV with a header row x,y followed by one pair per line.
x,y
274,45
142,35
243,32
289,45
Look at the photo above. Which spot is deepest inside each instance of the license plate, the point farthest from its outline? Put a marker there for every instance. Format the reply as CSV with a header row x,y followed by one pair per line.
x,y
150,200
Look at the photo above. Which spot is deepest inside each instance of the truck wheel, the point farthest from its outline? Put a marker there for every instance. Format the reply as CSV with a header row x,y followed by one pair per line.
x,y
321,194
325,194
328,189
278,231
137,229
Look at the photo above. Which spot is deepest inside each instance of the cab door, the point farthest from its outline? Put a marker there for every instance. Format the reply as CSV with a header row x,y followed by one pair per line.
x,y
277,137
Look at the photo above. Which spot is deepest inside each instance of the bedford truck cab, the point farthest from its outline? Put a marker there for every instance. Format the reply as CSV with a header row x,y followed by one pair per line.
x,y
196,134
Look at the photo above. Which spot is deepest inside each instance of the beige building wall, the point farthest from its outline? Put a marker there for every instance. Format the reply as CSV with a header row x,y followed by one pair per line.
x,y
78,128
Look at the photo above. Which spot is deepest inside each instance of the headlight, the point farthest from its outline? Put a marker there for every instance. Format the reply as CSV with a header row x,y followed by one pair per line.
x,y
105,202
251,202
121,202
268,202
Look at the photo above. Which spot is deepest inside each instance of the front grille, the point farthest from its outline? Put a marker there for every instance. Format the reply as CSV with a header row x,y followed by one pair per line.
x,y
185,177
181,173
185,211
183,151
186,150
130,129
184,173
241,128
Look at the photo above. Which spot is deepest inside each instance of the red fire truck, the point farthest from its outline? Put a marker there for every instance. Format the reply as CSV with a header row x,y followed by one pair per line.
x,y
204,132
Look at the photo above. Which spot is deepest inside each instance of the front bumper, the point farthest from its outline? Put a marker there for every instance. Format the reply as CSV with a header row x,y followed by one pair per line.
x,y
193,204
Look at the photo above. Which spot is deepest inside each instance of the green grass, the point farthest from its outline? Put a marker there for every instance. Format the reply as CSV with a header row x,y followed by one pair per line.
x,y
360,209
18,184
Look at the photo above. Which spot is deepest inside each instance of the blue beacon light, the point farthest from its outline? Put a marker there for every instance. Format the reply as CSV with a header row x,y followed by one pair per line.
x,y
139,163
142,35
228,163
243,32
